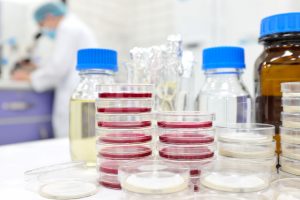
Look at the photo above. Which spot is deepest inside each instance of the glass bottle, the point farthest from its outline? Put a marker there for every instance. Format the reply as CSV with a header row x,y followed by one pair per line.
x,y
96,67
223,92
279,62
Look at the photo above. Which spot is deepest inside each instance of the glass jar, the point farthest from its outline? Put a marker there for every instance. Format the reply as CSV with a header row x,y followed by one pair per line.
x,y
279,62
96,67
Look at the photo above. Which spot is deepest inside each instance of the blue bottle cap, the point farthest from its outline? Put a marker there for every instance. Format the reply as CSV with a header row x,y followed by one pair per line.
x,y
281,23
97,59
223,57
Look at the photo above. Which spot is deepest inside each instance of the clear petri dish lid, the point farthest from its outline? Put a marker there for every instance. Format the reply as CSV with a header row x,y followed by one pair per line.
x,y
290,87
184,120
291,101
125,91
290,135
63,181
245,132
285,189
153,177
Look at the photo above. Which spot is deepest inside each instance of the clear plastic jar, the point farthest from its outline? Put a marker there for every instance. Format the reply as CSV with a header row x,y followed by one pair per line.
x,y
223,92
96,67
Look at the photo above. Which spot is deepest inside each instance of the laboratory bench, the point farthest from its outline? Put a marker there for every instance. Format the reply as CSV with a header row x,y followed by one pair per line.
x,y
25,115
18,158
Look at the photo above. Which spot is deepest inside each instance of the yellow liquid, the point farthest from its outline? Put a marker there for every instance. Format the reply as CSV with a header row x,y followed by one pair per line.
x,y
82,131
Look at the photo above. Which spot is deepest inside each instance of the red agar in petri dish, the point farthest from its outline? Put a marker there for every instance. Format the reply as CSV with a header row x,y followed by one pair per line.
x,y
121,138
164,124
186,153
109,167
110,182
138,124
195,172
125,152
186,138
123,110
124,95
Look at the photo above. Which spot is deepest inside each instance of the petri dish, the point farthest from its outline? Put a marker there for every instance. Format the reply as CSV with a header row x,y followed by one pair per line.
x,y
109,181
63,181
186,152
290,135
242,177
125,91
290,120
246,132
125,137
290,87
153,178
123,152
124,120
285,189
184,120
291,104
290,150
124,106
290,166
282,174
247,150
186,136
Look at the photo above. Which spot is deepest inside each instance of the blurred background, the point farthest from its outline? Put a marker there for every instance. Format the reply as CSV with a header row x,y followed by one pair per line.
x,y
26,114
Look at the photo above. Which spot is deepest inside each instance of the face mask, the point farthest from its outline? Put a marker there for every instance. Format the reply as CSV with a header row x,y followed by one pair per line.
x,y
50,33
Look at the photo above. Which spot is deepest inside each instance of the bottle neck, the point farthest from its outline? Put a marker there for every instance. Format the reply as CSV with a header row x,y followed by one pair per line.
x,y
223,73
281,40
95,73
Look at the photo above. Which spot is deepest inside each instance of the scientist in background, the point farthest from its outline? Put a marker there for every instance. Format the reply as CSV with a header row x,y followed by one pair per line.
x,y
69,34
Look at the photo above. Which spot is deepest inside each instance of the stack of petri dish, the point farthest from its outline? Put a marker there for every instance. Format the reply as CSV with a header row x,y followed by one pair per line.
x,y
124,128
186,138
250,142
290,130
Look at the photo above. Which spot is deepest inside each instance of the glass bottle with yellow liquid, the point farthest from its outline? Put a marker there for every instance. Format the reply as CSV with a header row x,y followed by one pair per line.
x,y
279,62
96,67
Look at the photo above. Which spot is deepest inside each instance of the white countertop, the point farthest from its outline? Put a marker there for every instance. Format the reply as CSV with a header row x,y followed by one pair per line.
x,y
18,158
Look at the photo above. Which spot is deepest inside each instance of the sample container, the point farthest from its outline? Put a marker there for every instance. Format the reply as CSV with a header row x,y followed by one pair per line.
x,y
290,150
291,104
290,120
290,166
124,91
290,135
124,105
290,89
124,120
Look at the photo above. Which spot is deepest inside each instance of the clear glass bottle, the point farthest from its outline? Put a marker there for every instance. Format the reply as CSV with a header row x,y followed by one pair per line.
x,y
96,67
223,92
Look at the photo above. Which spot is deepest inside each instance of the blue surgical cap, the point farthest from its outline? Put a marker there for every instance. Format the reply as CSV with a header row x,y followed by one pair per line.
x,y
56,9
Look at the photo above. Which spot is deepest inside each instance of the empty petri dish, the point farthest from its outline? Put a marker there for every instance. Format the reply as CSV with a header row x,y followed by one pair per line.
x,y
123,152
246,132
186,136
290,120
186,152
291,104
290,135
242,177
125,91
290,166
109,181
290,150
247,150
123,105
290,87
63,181
184,120
285,189
153,178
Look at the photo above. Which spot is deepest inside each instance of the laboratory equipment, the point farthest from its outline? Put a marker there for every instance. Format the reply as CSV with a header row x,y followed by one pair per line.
x,y
288,165
96,67
290,120
290,135
284,189
290,150
291,104
223,92
154,180
279,62
62,181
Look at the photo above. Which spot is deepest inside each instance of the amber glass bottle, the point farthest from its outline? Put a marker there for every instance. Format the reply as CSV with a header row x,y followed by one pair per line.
x,y
279,62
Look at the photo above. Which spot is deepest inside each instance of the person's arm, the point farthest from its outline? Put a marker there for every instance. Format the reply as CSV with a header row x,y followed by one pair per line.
x,y
59,65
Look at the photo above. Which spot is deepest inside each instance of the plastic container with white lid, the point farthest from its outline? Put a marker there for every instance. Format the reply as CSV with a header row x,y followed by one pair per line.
x,y
284,189
129,120
123,105
186,152
290,120
290,89
247,150
290,150
246,132
291,104
290,135
63,181
155,179
235,177
124,151
121,136
190,119
125,91
186,136
290,166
